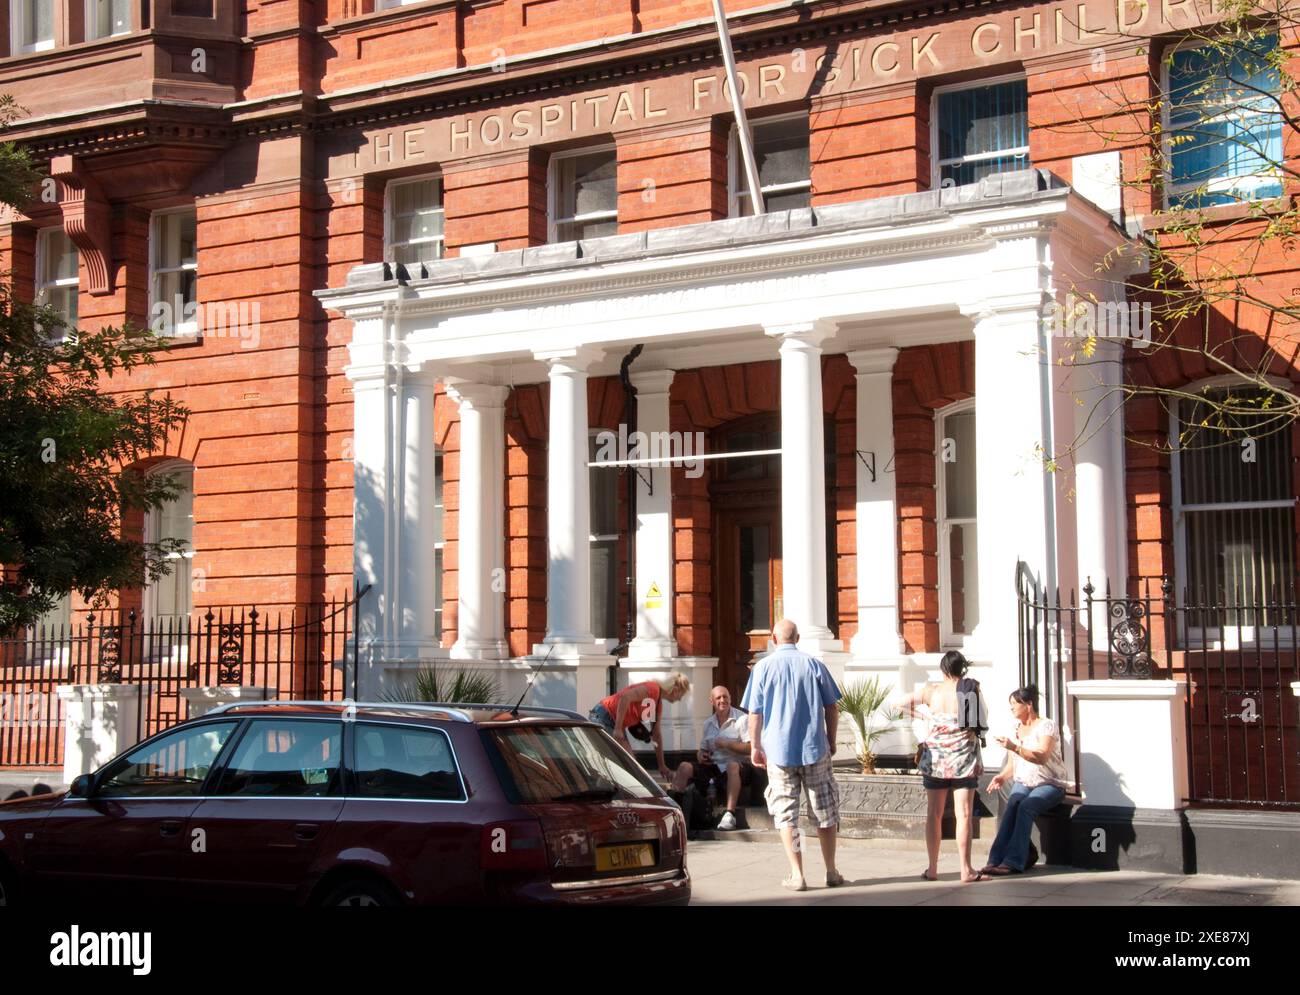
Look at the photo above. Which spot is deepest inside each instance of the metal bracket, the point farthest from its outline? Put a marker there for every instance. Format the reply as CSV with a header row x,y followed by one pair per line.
x,y
869,464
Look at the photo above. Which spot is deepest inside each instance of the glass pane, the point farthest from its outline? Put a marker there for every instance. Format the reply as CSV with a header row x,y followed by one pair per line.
x,y
396,762
972,172
604,588
175,520
1241,454
957,453
781,151
983,119
604,494
1242,557
548,763
59,257
176,239
285,758
788,201
755,579
174,765
64,300
590,184
962,579
40,28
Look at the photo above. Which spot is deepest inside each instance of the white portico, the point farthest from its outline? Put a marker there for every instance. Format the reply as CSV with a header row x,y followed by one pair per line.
x,y
863,279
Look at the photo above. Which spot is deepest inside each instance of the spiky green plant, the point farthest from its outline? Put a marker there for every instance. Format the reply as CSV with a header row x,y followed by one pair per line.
x,y
455,687
862,701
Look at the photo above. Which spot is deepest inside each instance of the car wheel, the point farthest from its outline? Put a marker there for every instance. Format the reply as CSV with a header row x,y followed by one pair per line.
x,y
361,893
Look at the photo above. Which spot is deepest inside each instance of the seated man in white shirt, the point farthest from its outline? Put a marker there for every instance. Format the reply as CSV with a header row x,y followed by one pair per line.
x,y
725,744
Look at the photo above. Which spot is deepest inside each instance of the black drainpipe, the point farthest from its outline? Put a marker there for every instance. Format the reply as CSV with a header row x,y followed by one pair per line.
x,y
629,419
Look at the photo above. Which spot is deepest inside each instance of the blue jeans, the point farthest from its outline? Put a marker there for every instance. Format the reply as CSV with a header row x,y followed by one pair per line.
x,y
600,714
1011,845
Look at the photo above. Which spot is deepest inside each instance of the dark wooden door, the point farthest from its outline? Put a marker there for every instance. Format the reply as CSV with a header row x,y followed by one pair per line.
x,y
749,590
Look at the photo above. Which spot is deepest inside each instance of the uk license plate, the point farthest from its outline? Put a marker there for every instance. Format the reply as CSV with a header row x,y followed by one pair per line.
x,y
630,856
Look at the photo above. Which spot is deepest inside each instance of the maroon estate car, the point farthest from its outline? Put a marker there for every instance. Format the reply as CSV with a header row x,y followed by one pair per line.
x,y
313,803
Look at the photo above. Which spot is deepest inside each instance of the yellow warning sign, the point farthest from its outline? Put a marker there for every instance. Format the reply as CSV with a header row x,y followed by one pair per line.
x,y
654,597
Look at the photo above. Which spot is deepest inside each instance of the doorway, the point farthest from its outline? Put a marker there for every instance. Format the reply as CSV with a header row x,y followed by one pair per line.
x,y
746,498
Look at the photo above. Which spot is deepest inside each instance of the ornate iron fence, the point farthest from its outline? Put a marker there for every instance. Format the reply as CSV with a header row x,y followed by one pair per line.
x,y
301,652
1240,662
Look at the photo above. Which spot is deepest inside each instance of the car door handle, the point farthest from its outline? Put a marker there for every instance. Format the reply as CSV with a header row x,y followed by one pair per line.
x,y
170,827
306,831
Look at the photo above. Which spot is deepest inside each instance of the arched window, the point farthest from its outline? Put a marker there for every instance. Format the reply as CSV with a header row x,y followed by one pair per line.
x,y
1234,501
170,598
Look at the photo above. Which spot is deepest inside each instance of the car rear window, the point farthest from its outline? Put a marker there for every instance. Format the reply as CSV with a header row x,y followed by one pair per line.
x,y
544,763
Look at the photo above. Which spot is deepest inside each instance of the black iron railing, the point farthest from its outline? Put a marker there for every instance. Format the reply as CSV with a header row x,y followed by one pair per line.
x,y
1238,660
301,652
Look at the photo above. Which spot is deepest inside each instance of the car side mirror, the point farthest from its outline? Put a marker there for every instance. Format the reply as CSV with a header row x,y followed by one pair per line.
x,y
81,786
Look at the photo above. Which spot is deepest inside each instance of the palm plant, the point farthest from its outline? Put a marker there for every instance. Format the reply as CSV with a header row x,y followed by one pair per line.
x,y
458,687
861,702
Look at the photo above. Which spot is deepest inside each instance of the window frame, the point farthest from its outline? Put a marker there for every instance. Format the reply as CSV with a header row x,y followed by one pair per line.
x,y
390,244
553,219
948,639
937,164
91,21
1166,149
183,329
149,601
18,16
1223,636
43,236
738,188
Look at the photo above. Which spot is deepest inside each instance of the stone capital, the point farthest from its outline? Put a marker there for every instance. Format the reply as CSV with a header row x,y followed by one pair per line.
x,y
652,381
477,395
811,333
574,359
876,360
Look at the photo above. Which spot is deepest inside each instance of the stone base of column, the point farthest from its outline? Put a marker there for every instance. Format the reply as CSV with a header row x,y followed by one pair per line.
x,y
651,650
99,722
200,701
684,720
1133,743
479,649
898,675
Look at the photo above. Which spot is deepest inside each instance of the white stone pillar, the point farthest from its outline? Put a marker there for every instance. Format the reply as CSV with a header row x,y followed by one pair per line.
x,y
1133,743
1015,495
1099,471
392,518
568,507
99,722
480,633
878,632
654,524
803,483
201,700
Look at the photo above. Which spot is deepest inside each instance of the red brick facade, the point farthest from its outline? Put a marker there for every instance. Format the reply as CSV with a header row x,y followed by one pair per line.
x,y
305,112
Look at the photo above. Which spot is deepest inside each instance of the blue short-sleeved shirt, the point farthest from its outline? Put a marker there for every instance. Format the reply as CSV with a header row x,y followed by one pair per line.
x,y
791,690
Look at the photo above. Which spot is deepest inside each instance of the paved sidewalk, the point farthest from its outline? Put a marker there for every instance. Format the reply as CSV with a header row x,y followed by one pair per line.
x,y
888,872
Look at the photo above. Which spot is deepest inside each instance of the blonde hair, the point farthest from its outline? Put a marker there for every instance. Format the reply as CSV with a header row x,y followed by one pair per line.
x,y
673,682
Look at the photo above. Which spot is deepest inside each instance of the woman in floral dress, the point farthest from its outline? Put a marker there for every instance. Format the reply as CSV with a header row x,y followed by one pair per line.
x,y
949,760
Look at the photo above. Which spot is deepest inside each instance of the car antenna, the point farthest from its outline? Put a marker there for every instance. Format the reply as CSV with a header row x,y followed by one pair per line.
x,y
514,712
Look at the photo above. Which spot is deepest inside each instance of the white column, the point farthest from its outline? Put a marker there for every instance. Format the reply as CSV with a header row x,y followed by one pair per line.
x,y
480,627
1015,494
392,517
568,506
803,482
878,632
1099,484
654,524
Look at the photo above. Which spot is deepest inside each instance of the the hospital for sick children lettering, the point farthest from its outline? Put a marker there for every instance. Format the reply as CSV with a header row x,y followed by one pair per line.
x,y
998,37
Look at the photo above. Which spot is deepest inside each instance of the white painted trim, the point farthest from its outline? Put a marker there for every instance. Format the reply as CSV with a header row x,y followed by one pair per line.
x,y
1124,690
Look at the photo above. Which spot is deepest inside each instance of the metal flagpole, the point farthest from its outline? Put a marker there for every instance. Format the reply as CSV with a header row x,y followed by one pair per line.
x,y
742,124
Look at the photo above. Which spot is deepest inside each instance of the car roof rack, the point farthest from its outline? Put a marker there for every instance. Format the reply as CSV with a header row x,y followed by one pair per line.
x,y
458,711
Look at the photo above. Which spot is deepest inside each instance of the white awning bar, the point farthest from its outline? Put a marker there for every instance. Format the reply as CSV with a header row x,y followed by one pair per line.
x,y
674,460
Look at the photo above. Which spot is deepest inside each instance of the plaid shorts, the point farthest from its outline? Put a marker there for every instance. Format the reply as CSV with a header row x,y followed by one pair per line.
x,y
785,785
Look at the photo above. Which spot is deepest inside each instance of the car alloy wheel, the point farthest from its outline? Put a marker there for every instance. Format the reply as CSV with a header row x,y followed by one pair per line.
x,y
361,893
356,901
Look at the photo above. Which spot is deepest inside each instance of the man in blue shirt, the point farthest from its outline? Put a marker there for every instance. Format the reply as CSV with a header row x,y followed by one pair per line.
x,y
791,699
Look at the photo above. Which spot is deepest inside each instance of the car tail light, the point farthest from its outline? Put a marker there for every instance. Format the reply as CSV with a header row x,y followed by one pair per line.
x,y
513,846
570,847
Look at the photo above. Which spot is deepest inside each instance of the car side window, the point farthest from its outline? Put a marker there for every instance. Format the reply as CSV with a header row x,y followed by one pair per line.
x,y
405,762
285,758
175,765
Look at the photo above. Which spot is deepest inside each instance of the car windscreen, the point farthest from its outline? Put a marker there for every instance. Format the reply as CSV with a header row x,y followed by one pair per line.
x,y
554,763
